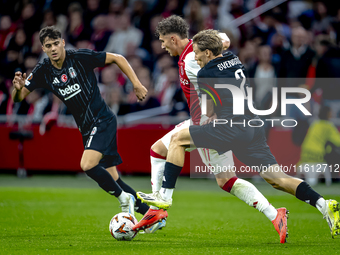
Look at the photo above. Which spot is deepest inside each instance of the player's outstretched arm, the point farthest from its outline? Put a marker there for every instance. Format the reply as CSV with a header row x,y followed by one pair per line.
x,y
19,91
124,65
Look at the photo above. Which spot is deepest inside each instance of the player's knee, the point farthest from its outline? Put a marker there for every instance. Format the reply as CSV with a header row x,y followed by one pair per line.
x,y
159,148
87,165
175,138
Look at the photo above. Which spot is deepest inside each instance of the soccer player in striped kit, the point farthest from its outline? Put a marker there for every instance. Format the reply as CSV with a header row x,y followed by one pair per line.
x,y
69,75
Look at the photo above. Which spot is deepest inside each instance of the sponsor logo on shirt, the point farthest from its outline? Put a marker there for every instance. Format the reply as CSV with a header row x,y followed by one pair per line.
x,y
64,78
55,81
185,82
72,72
70,91
30,77
94,131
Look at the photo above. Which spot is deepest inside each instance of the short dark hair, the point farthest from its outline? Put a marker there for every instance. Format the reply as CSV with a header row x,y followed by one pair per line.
x,y
209,40
173,24
51,32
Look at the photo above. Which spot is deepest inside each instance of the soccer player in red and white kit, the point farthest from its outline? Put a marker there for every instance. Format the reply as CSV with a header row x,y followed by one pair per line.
x,y
173,33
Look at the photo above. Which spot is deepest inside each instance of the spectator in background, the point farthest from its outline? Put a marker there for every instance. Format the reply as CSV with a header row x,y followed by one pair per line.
x,y
39,104
29,20
139,15
30,62
126,39
149,35
4,95
219,18
7,28
115,99
76,28
264,78
195,17
167,89
135,62
296,60
92,10
265,28
159,76
248,54
20,43
171,7
11,63
109,76
313,148
36,45
50,19
322,21
101,34
150,101
327,78
336,26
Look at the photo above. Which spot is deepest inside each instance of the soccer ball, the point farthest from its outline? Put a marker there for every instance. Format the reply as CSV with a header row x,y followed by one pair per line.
x,y
121,226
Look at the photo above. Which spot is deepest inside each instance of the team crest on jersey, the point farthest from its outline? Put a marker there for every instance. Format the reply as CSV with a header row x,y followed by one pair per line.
x,y
64,78
94,131
72,72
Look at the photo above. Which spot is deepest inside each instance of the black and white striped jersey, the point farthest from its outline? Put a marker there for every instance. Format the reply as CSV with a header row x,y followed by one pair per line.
x,y
76,85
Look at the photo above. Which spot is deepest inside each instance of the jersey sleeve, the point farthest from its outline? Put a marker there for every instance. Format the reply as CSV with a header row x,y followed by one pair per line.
x,y
91,58
36,79
191,68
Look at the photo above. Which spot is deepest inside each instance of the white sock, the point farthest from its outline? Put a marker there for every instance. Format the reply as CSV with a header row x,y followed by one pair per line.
x,y
157,170
321,205
166,193
249,194
270,212
123,197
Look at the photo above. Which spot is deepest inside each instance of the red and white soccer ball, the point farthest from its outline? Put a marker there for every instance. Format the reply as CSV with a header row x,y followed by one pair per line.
x,y
121,226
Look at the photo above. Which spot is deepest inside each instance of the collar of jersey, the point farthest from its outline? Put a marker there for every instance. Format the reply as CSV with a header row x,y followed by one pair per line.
x,y
185,50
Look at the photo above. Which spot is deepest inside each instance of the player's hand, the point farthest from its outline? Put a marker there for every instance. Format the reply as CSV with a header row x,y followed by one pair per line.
x,y
211,119
140,92
225,40
19,80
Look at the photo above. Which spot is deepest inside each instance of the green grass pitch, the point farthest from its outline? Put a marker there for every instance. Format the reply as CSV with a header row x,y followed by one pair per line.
x,y
71,215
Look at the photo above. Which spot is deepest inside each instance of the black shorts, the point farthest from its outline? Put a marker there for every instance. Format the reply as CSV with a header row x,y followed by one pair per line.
x,y
103,138
247,143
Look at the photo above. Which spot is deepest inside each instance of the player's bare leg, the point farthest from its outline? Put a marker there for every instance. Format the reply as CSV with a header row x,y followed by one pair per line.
x,y
280,180
90,165
299,188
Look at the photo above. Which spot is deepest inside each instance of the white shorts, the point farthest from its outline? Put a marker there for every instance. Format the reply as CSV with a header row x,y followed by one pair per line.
x,y
209,157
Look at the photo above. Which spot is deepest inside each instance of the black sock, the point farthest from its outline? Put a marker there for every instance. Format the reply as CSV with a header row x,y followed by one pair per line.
x,y
305,193
142,208
104,180
171,172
